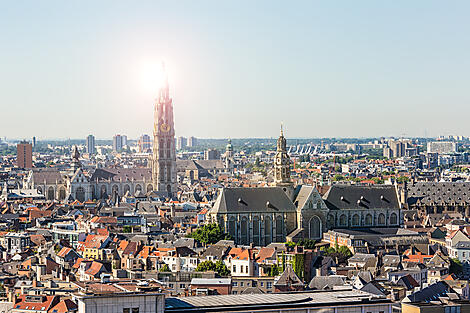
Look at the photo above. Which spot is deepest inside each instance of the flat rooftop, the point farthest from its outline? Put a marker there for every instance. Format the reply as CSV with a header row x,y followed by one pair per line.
x,y
271,300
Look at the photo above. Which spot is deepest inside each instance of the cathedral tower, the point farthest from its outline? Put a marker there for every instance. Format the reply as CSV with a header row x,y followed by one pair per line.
x,y
164,154
282,167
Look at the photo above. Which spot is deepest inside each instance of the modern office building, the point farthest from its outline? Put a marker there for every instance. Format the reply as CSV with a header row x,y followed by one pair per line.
x,y
192,141
121,302
90,144
24,155
442,147
181,143
211,154
117,143
145,144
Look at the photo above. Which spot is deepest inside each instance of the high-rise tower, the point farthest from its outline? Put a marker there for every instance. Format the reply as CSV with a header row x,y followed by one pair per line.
x,y
282,166
164,154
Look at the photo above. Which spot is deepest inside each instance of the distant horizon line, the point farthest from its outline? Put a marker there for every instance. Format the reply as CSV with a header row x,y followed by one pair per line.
x,y
233,138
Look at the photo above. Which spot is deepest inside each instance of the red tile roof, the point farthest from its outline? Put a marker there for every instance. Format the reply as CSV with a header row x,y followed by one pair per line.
x,y
25,302
64,306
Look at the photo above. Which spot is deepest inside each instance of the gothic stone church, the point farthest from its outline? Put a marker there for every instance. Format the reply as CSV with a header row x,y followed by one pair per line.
x,y
272,214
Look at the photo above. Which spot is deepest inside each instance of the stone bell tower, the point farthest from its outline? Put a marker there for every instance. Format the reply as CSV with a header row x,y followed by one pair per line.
x,y
282,167
164,153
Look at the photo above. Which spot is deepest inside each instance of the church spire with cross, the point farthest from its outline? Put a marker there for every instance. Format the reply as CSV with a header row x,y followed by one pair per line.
x,y
282,165
164,153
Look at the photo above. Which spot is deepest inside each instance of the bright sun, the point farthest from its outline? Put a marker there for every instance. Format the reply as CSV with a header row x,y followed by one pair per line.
x,y
152,76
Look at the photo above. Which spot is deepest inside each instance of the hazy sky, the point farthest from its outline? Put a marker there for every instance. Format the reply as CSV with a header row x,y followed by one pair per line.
x,y
236,68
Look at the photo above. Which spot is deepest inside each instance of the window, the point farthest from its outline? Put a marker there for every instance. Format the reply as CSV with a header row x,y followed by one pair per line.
x,y
234,267
234,284
126,310
242,284
261,284
170,285
182,286
246,269
269,285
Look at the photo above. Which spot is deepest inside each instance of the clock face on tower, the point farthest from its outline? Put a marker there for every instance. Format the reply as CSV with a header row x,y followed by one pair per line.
x,y
165,127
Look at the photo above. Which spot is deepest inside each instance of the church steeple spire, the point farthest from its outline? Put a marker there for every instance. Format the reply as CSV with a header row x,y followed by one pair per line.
x,y
282,162
164,155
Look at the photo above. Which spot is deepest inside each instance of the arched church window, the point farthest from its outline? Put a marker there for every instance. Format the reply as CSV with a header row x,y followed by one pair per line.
x,y
149,188
268,228
279,229
355,220
331,221
127,189
256,231
244,230
381,219
314,227
343,221
393,219
232,227
104,192
80,194
368,219
62,193
50,193
115,190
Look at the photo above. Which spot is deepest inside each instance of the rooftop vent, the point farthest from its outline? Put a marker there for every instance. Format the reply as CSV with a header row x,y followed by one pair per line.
x,y
241,201
269,205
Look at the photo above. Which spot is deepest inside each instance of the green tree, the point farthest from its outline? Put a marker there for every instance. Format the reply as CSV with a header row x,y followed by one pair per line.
x,y
338,177
209,234
402,179
221,268
290,244
272,270
165,268
377,180
345,251
299,265
206,266
218,267
307,243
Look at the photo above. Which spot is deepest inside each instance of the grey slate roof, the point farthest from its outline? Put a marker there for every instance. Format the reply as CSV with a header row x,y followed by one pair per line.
x,y
48,175
360,197
265,199
463,245
439,193
326,282
122,174
430,293
303,195
288,278
208,165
